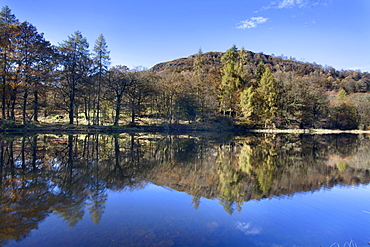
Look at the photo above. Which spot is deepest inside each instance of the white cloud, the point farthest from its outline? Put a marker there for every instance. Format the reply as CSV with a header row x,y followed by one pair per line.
x,y
252,22
290,3
283,4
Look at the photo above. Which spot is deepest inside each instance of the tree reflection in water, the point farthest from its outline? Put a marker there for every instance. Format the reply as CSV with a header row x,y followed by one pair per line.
x,y
70,174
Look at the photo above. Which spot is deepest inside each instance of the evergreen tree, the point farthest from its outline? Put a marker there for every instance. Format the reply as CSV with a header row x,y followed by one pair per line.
x,y
259,71
250,103
102,61
342,94
75,62
240,68
198,63
233,75
6,16
8,23
267,91
259,104
201,88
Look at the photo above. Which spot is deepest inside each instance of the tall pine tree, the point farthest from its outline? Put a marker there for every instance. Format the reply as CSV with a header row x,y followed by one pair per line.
x,y
101,61
8,24
267,91
75,62
233,78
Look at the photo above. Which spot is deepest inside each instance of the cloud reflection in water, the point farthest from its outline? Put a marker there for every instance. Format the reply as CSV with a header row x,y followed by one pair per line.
x,y
247,228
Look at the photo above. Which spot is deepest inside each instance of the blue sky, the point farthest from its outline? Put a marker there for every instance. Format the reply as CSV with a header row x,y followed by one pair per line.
x,y
145,32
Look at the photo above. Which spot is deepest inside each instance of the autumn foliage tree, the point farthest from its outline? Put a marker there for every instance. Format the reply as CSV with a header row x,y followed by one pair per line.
x,y
258,103
33,58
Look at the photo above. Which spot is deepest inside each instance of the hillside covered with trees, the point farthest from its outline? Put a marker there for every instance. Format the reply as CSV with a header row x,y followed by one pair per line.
x,y
68,82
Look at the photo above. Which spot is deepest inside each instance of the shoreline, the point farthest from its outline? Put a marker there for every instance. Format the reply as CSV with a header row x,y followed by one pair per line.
x,y
107,129
309,131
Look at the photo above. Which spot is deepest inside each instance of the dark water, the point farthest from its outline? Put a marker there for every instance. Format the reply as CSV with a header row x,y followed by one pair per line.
x,y
185,190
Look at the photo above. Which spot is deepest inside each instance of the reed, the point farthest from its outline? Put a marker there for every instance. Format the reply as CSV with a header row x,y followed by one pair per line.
x,y
346,244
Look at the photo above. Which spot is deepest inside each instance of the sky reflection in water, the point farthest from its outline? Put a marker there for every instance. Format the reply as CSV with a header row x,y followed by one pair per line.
x,y
157,216
182,191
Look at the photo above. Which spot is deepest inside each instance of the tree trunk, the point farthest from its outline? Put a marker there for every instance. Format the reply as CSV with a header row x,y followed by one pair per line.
x,y
118,110
13,101
1,161
3,106
36,107
71,107
76,111
87,109
23,157
24,110
98,103
133,112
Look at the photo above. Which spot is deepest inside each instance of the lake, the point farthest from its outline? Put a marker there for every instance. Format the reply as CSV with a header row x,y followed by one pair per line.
x,y
207,189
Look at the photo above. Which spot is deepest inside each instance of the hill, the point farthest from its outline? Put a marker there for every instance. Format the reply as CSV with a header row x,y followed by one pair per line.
x,y
212,59
352,81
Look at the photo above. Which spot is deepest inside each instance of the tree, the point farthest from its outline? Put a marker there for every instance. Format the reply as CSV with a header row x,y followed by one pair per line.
x,y
343,116
233,77
204,88
267,91
138,91
314,105
102,61
33,56
259,103
250,105
118,81
8,23
259,71
361,102
45,75
6,16
289,99
170,87
342,94
75,67
300,102
198,63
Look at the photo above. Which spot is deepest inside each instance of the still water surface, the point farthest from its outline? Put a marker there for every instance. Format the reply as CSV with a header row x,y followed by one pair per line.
x,y
184,190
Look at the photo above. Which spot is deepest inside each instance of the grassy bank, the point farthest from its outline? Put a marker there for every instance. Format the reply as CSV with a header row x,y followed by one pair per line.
x,y
58,124
11,127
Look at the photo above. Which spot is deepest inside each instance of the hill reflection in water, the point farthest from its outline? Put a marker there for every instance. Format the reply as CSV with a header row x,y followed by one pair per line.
x,y
151,180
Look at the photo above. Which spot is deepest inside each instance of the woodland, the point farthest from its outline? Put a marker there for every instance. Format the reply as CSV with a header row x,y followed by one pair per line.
x,y
70,84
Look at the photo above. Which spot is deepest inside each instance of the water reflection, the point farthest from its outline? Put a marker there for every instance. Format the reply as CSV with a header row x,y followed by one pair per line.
x,y
71,175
